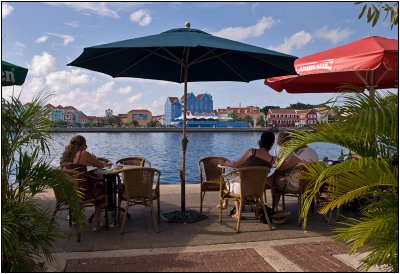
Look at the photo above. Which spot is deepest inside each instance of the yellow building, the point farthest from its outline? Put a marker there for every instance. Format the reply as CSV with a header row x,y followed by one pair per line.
x,y
143,116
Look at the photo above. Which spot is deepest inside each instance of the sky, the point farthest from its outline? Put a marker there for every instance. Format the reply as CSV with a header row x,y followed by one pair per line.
x,y
45,37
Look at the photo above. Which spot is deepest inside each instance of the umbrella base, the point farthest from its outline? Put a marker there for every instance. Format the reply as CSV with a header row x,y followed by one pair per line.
x,y
177,216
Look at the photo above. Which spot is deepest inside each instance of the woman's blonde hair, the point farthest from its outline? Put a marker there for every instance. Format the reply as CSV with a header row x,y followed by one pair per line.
x,y
70,151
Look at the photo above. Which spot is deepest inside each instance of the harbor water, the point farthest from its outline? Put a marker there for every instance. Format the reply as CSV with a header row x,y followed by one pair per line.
x,y
164,150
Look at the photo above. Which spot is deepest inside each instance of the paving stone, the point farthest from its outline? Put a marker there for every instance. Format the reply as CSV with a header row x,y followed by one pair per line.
x,y
316,257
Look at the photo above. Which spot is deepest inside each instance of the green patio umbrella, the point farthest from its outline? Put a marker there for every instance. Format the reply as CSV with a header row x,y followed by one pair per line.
x,y
12,74
185,55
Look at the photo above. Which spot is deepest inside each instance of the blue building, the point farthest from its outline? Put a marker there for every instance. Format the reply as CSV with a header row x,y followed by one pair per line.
x,y
173,109
196,104
201,103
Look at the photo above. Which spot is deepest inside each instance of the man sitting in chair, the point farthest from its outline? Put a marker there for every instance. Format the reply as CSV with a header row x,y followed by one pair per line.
x,y
287,177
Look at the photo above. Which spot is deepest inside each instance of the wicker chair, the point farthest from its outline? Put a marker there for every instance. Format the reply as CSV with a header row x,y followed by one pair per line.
x,y
252,181
210,174
134,161
139,183
298,193
61,201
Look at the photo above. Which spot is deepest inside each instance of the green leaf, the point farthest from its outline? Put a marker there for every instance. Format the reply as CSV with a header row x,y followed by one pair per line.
x,y
362,11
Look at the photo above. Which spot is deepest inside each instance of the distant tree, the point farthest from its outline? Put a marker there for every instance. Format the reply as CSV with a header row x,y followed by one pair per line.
x,y
375,9
260,121
301,106
153,124
236,117
247,119
266,108
60,123
134,123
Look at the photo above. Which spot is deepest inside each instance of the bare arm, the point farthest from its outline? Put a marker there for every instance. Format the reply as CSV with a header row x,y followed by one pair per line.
x,y
92,160
289,163
240,161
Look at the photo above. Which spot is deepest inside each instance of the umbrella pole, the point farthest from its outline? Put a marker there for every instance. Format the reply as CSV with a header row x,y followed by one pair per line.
x,y
184,138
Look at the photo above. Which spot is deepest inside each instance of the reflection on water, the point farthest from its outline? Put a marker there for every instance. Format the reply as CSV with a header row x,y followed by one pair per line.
x,y
164,150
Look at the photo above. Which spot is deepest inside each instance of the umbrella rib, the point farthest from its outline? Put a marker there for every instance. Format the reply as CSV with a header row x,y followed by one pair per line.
x,y
215,56
151,52
274,65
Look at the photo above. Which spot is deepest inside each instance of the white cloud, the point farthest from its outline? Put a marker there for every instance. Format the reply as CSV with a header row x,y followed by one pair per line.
x,y
157,107
41,65
124,90
135,98
141,17
333,35
60,81
296,41
98,8
42,39
73,24
18,48
66,38
104,90
6,10
242,33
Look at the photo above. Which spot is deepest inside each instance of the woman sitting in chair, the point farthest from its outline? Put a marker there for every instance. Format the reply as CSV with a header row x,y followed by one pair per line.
x,y
76,157
252,157
287,177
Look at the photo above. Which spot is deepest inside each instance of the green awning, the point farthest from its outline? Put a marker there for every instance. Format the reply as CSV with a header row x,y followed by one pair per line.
x,y
12,74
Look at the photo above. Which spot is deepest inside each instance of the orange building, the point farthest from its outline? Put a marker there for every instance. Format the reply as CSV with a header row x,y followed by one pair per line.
x,y
143,116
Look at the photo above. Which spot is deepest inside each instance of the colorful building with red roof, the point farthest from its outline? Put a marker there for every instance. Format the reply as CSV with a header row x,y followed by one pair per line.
x,y
291,117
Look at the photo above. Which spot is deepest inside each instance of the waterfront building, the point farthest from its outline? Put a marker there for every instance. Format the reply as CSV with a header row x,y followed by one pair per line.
x,y
200,103
291,117
84,119
72,115
240,112
324,114
108,112
173,109
158,118
57,113
143,116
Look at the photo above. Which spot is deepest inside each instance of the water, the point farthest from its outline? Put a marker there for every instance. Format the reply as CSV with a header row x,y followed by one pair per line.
x,y
164,150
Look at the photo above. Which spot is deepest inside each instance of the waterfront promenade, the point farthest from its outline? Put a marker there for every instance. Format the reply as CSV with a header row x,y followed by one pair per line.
x,y
205,246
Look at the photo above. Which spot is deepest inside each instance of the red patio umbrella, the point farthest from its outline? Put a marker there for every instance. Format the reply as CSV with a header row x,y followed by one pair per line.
x,y
370,63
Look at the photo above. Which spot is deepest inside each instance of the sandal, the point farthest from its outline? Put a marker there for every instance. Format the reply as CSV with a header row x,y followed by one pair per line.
x,y
98,227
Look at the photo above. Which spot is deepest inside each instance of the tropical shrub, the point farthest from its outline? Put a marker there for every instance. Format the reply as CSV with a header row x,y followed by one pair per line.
x,y
28,229
369,127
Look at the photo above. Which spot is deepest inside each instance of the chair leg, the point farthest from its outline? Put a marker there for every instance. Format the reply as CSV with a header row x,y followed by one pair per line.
x,y
158,207
220,209
69,217
106,215
154,217
202,194
266,215
125,216
240,215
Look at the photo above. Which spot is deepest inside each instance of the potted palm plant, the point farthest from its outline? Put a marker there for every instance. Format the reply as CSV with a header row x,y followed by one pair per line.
x,y
28,229
369,127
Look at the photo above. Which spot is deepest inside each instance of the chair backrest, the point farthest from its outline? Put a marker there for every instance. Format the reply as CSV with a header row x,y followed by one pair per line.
x,y
252,180
139,182
209,167
134,161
